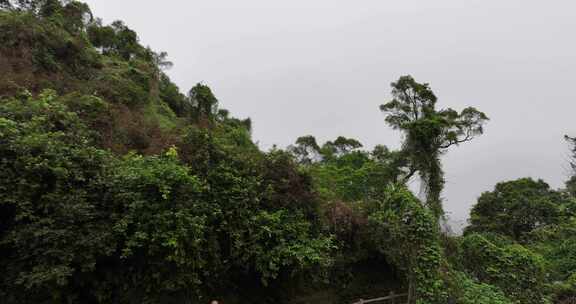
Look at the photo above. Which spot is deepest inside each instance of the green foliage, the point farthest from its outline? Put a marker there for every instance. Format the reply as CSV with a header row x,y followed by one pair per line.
x,y
526,211
33,6
513,268
286,187
160,114
306,150
171,95
282,241
352,177
54,225
159,223
428,132
465,290
265,204
123,83
46,44
204,104
516,207
65,49
407,234
340,146
234,123
76,16
116,39
341,172
557,244
146,227
564,292
120,189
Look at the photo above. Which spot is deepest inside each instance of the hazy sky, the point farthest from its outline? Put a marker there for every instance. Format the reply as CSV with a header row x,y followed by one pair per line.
x,y
323,67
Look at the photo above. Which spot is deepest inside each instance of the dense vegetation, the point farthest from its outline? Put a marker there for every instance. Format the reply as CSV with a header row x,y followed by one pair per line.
x,y
117,188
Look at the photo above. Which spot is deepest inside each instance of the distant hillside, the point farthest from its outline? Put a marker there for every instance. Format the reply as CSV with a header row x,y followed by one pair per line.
x,y
66,49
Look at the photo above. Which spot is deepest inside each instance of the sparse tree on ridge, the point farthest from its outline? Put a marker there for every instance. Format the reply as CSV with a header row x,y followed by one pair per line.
x,y
158,63
204,104
306,149
340,146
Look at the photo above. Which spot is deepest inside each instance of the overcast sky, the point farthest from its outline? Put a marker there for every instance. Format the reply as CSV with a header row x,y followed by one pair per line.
x,y
323,67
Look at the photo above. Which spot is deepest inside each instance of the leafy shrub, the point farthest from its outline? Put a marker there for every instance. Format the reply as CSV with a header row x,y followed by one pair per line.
x,y
160,223
117,87
515,269
564,292
465,290
557,244
406,232
54,227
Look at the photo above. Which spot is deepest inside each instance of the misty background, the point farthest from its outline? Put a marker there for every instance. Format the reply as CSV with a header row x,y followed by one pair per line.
x,y
322,67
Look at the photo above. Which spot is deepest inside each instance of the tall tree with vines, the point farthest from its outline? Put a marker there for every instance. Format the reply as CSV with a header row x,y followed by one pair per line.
x,y
428,133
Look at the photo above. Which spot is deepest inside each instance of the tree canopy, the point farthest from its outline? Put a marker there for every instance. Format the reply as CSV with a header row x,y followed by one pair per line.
x,y
517,207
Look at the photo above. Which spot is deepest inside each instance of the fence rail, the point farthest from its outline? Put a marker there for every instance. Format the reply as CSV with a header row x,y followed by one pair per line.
x,y
391,299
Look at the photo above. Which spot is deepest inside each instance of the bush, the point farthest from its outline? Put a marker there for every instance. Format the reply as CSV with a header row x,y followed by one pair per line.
x,y
54,222
407,233
515,269
464,290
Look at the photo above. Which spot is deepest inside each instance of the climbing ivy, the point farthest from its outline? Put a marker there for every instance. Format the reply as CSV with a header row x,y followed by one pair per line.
x,y
465,290
512,267
406,233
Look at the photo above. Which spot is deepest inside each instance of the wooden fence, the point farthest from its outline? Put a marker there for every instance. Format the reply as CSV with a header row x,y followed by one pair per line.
x,y
391,299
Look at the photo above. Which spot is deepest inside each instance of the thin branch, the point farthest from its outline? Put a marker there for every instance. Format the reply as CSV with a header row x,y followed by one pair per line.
x,y
456,142
410,174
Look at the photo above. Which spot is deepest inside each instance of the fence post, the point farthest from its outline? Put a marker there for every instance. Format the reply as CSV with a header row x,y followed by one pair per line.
x,y
361,301
392,298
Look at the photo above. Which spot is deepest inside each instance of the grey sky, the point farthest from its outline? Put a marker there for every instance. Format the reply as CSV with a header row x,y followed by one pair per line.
x,y
323,67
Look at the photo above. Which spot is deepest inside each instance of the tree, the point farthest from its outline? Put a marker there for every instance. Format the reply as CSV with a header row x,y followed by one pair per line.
x,y
571,183
5,4
77,16
170,94
344,173
516,207
306,150
158,62
117,38
428,132
340,146
126,40
204,104
44,8
50,7
103,37
20,5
